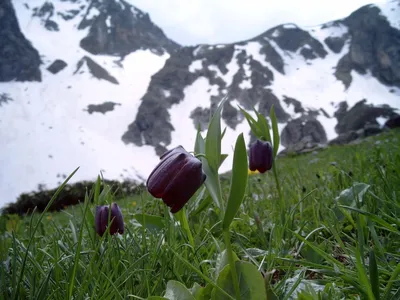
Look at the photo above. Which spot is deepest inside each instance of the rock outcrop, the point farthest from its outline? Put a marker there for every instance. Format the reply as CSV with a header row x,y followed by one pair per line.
x,y
374,47
119,29
19,60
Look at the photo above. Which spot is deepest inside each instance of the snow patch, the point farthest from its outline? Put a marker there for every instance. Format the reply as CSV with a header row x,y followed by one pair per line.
x,y
195,65
391,10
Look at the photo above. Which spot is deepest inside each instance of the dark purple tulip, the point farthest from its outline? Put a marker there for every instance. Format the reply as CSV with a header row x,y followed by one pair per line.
x,y
176,178
116,219
260,156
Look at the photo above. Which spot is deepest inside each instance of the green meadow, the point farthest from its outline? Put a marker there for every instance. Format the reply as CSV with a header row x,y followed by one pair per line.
x,y
332,232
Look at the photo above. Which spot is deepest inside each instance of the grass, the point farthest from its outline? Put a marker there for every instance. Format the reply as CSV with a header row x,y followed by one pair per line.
x,y
336,235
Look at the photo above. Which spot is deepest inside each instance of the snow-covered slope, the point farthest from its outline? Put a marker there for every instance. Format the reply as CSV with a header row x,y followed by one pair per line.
x,y
113,108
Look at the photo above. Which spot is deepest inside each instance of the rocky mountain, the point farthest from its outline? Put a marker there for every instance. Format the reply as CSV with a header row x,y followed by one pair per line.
x,y
96,84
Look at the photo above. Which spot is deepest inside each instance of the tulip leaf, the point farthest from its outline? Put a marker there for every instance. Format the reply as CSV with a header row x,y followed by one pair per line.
x,y
222,261
275,130
213,139
201,293
212,181
177,291
254,126
223,157
238,181
251,282
263,124
150,221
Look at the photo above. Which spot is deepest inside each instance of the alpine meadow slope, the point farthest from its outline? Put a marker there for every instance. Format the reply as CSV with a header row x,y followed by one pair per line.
x,y
108,91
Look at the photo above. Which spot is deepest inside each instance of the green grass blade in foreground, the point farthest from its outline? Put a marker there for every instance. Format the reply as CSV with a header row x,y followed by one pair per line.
x,y
238,182
213,139
78,248
16,287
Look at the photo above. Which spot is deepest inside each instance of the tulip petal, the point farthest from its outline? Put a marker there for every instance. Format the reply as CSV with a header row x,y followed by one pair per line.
x,y
260,156
184,184
101,219
178,149
117,224
163,172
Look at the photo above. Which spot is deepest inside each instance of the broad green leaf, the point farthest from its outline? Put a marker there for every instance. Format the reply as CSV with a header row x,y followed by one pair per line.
x,y
156,298
177,291
201,293
352,195
212,181
213,139
150,221
238,181
275,130
222,261
251,282
195,290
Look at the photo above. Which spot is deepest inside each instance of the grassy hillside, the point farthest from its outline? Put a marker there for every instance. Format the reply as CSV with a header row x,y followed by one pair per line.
x,y
335,235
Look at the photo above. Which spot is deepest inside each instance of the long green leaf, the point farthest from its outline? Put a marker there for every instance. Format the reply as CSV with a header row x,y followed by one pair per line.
x,y
213,139
252,123
212,181
374,218
263,124
238,181
373,274
275,130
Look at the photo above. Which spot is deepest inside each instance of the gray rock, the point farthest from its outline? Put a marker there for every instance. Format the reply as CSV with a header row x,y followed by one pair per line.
x,y
201,117
298,108
130,30
374,46
19,60
303,132
344,138
5,98
393,122
95,69
335,43
360,115
57,66
294,38
101,108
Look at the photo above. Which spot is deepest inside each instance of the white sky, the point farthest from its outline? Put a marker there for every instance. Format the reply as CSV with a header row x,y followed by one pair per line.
x,y
190,22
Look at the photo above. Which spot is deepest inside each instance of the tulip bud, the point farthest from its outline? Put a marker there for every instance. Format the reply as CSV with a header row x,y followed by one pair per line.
x,y
176,178
260,156
116,219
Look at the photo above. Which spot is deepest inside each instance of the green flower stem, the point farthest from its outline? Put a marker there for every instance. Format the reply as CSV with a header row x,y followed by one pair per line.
x,y
229,251
185,225
281,200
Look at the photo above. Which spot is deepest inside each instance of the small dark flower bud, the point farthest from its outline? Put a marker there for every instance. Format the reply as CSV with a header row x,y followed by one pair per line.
x,y
260,156
176,178
116,219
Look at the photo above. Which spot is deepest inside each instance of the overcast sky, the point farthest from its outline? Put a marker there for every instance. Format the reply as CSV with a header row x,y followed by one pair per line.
x,y
190,22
